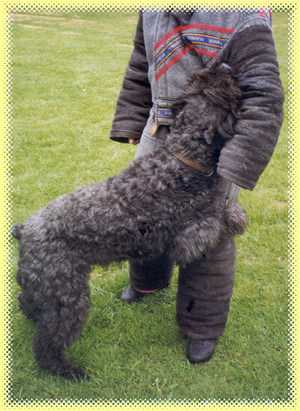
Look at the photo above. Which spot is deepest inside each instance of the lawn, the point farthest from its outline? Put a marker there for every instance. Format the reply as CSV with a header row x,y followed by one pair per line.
x,y
67,72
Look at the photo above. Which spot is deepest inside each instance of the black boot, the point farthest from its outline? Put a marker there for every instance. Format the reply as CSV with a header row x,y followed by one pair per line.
x,y
151,276
200,350
130,295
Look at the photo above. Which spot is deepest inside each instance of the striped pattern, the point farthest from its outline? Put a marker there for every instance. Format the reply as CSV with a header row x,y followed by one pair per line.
x,y
179,41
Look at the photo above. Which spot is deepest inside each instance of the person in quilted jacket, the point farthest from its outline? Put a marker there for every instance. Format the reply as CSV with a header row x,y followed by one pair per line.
x,y
168,48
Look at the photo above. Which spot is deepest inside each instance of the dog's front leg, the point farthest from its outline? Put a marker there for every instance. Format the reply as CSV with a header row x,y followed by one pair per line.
x,y
196,239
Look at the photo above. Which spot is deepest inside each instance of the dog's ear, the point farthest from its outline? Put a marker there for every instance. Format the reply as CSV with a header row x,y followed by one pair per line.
x,y
198,82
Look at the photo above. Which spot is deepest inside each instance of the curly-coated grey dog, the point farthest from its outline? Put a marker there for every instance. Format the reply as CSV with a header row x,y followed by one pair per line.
x,y
169,201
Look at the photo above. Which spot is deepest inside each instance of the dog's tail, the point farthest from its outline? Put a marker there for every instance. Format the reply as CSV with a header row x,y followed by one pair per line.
x,y
17,231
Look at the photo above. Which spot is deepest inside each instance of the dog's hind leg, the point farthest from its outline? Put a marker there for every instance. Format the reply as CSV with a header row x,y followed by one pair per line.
x,y
196,239
62,296
28,306
58,326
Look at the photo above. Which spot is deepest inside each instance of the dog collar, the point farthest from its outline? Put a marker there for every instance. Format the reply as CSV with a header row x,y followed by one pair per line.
x,y
194,165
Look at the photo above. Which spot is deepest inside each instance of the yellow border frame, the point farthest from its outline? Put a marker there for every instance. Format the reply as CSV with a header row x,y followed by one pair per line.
x,y
293,10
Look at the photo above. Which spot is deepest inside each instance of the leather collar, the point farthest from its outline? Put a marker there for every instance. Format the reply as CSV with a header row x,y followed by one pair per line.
x,y
208,171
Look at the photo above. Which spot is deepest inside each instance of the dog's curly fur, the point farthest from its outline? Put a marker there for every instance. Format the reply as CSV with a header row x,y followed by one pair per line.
x,y
157,205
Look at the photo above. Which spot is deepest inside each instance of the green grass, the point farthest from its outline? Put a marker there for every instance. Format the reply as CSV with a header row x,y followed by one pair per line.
x,y
67,72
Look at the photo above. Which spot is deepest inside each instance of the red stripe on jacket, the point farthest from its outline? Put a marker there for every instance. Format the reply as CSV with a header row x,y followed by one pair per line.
x,y
202,26
179,56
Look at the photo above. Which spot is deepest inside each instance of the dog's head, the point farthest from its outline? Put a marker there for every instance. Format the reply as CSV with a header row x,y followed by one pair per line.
x,y
210,96
218,86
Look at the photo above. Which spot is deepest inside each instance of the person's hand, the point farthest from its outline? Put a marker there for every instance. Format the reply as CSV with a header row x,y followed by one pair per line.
x,y
133,141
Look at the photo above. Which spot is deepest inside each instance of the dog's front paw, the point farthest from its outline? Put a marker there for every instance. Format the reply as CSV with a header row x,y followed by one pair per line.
x,y
236,219
196,239
188,249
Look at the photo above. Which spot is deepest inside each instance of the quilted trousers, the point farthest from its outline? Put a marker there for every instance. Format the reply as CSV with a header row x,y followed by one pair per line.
x,y
204,287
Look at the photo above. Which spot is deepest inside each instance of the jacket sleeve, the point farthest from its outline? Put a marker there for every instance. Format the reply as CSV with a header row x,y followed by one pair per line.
x,y
134,101
252,55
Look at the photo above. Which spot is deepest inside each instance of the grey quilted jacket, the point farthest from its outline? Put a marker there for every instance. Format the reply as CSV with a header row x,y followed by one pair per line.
x,y
169,47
